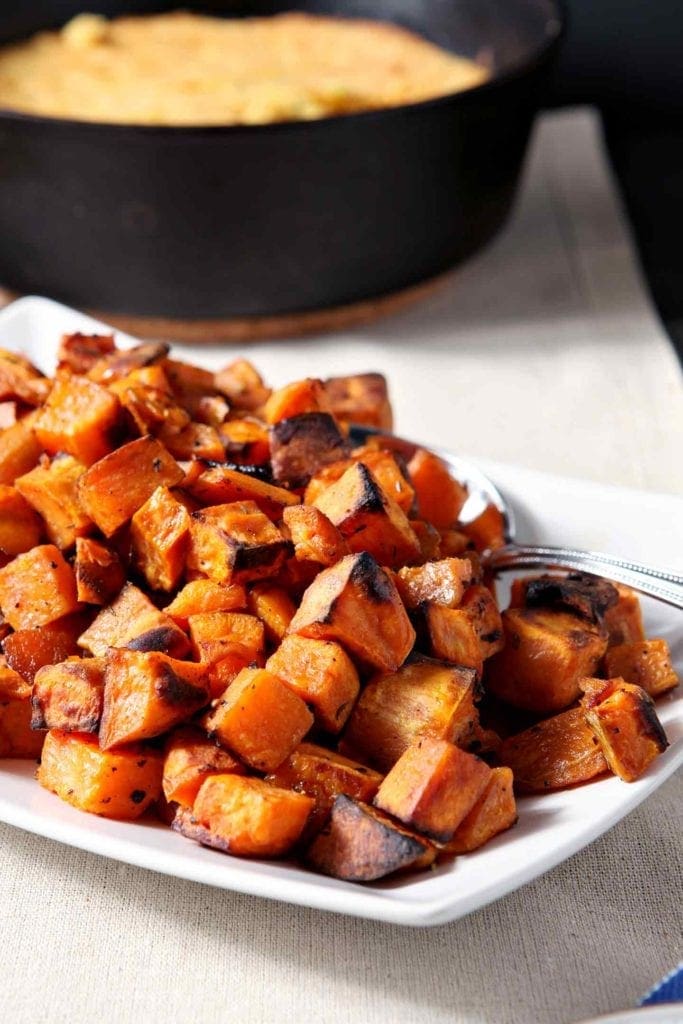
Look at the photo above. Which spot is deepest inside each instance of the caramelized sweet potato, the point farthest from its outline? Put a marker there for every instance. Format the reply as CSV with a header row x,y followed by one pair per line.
x,y
322,674
391,473
146,693
27,650
558,752
112,783
487,530
52,490
194,441
360,398
314,537
356,604
439,496
424,699
242,385
215,635
17,738
494,811
19,450
301,445
132,621
479,603
99,573
78,353
37,587
236,542
295,399
221,485
78,417
586,596
274,607
624,620
20,527
442,582
646,664
624,719
360,844
68,695
121,363
203,595
189,759
246,442
260,719
453,638
432,787
160,533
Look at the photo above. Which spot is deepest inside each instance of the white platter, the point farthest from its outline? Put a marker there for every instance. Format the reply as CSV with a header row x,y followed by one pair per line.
x,y
551,828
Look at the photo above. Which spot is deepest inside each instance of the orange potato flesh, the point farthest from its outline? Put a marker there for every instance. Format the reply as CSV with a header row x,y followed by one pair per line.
x,y
480,604
322,674
293,399
78,418
558,752
20,527
132,621
241,383
442,582
314,537
624,620
37,587
99,573
160,531
624,719
246,442
216,635
235,543
360,398
439,496
453,638
17,737
204,595
27,650
194,441
69,695
220,485
19,450
646,663
274,607
494,811
487,530
190,758
52,490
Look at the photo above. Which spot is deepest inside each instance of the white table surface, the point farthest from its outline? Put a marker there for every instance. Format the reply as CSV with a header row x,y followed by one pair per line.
x,y
544,351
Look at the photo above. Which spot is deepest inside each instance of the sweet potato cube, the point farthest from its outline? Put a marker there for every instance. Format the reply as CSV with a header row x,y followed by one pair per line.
x,y
428,538
221,485
453,638
360,398
114,488
146,693
52,490
78,353
314,537
558,752
322,674
586,596
432,786
246,442
19,379
190,384
99,573
391,473
160,532
78,418
19,450
190,758
624,719
361,844
301,396
479,603
356,603
37,587
624,620
439,496
132,621
425,699
17,738
27,650
260,719
487,530
443,582
368,519
215,635
274,607
68,696
494,811
546,653
20,527
301,445
323,775
245,816
114,366
204,595
112,783
646,663
236,542
241,383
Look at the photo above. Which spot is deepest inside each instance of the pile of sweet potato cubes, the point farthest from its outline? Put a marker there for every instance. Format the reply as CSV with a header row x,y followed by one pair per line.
x,y
217,610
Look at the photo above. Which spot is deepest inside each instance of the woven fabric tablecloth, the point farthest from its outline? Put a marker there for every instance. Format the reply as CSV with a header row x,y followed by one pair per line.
x,y
545,352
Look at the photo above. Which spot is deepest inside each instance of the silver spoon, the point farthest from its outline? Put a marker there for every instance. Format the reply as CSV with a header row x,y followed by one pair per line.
x,y
660,583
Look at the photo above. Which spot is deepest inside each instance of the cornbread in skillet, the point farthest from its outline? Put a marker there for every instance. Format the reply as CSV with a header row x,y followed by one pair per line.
x,y
187,69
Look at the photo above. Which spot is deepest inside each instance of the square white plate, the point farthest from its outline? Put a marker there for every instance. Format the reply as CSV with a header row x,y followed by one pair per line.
x,y
551,828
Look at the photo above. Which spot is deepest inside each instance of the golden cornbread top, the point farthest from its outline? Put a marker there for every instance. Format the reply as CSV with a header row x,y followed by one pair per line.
x,y
189,69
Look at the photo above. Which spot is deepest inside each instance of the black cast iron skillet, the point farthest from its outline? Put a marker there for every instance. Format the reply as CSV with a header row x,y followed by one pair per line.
x,y
249,222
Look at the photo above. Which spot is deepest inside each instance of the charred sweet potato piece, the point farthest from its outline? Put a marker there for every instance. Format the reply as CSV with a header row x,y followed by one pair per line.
x,y
121,363
37,587
68,696
116,486
150,407
487,530
132,621
443,582
322,674
99,573
356,603
20,527
455,544
236,542
424,699
360,398
242,385
494,811
160,533
360,844
558,752
195,441
391,473
314,537
546,653
78,417
432,786
368,519
246,442
215,635
624,620
439,496
453,637
78,353
220,485
190,758
52,490
19,450
302,444
295,399
479,603
27,650
189,384
146,693
428,538
204,595
624,719
20,380
586,596
274,607
245,816
214,411
17,738
112,783
323,775
646,664
260,719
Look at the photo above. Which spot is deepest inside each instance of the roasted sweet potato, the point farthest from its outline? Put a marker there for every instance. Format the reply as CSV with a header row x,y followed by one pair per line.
x,y
242,385
301,445
78,353
189,759
113,366
99,573
37,587
69,695
439,496
359,843
146,693
19,450
487,530
356,604
204,595
52,490
112,783
189,384
274,607
442,582
20,527
425,699
78,417
428,538
314,537
494,811
295,399
558,752
27,650
624,719
432,787
246,442
132,621
160,534
453,637
17,738
260,719
391,473
624,620
322,674
479,603
221,485
215,635
360,398
646,664
586,596
235,543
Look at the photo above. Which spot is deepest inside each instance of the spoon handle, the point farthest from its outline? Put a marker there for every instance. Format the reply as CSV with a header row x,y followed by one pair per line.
x,y
659,583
